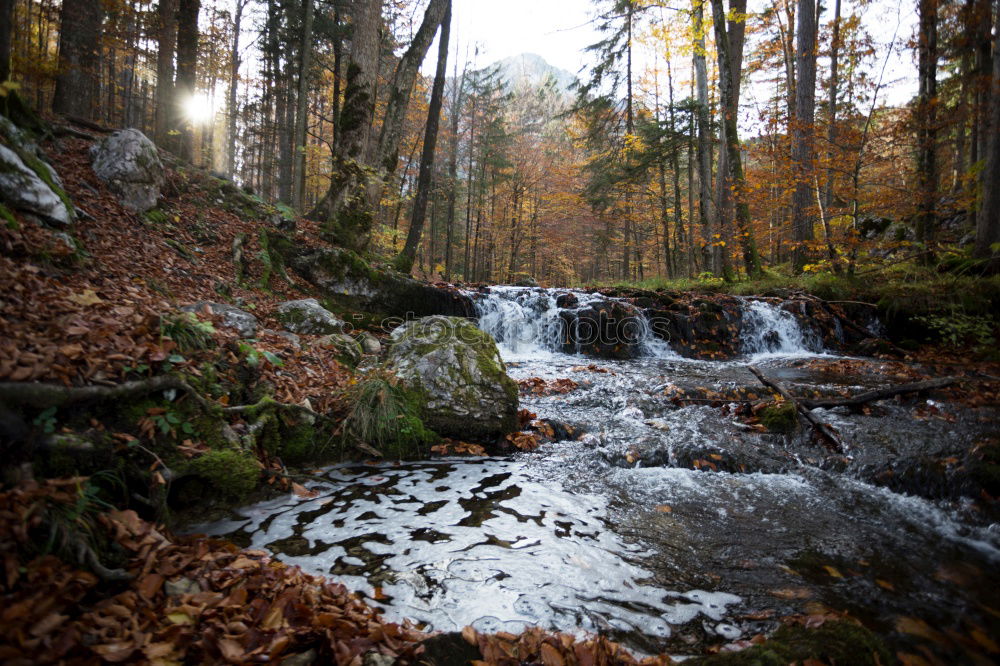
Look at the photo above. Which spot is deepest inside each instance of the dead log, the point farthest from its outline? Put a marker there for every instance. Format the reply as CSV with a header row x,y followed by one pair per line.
x,y
879,394
823,429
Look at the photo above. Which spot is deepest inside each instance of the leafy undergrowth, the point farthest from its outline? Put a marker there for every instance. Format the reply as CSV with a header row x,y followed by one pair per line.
x,y
87,311
200,600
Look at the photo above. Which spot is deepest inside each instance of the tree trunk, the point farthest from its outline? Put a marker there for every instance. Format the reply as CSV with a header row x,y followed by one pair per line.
x,y
926,121
988,221
349,219
343,209
299,154
704,140
6,29
802,132
234,77
385,153
729,104
80,32
187,70
456,104
736,29
404,262
832,103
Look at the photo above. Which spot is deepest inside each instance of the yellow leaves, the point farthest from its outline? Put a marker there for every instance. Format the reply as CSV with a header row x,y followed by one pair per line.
x,y
8,87
663,508
832,571
180,618
86,298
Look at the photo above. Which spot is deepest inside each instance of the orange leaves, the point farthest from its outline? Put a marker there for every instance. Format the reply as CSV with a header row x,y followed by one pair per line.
x,y
525,441
453,447
539,386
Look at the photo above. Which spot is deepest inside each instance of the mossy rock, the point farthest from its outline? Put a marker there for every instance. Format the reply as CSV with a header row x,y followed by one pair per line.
x,y
456,371
308,317
781,418
344,348
837,642
232,472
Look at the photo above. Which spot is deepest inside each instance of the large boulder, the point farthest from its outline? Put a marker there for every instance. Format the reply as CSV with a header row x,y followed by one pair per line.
x,y
456,371
350,281
27,182
308,317
130,164
244,323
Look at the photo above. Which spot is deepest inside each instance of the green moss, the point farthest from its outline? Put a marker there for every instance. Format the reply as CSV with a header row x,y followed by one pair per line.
x,y
833,643
9,218
779,418
156,216
233,472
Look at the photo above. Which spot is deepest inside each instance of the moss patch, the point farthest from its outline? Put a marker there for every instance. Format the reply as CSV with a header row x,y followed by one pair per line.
x,y
8,218
832,643
232,472
779,418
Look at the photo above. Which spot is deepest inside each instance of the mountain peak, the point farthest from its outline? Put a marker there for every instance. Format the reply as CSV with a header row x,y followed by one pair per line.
x,y
532,69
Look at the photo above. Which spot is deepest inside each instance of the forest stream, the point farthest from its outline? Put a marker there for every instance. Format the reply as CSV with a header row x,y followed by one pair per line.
x,y
663,525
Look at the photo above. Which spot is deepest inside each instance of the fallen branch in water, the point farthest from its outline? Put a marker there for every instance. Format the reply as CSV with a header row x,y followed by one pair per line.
x,y
822,428
879,394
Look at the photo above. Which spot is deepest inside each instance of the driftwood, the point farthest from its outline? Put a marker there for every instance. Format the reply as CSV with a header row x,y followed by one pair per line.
x,y
822,428
879,394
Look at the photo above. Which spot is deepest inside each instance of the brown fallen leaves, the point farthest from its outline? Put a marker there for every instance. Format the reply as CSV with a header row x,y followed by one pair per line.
x,y
535,646
195,600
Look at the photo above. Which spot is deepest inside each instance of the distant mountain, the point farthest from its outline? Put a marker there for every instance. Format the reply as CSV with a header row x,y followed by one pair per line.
x,y
531,70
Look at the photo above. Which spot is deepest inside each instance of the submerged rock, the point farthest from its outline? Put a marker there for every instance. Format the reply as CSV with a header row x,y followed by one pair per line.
x,y
130,164
308,317
457,371
241,321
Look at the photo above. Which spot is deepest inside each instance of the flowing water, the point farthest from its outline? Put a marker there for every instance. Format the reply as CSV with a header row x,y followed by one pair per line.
x,y
616,531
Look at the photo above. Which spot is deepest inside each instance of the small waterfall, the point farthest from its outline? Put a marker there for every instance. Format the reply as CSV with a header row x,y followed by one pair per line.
x,y
770,329
523,321
528,322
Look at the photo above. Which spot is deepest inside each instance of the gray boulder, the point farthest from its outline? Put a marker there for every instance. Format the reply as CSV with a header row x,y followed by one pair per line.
x,y
308,317
27,182
129,163
343,347
456,371
244,323
369,343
